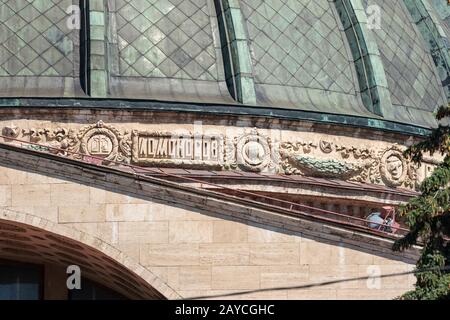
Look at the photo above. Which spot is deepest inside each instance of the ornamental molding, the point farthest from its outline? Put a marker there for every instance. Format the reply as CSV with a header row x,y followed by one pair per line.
x,y
248,150
103,141
11,131
387,166
99,142
394,169
252,151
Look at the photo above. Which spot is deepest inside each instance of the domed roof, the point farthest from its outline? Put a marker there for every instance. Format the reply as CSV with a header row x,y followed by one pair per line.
x,y
377,59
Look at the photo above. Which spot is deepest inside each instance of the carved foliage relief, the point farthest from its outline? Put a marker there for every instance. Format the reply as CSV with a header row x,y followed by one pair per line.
x,y
250,150
331,160
99,143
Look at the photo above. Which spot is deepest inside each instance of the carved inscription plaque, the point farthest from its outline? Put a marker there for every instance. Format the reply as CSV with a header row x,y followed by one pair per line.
x,y
154,148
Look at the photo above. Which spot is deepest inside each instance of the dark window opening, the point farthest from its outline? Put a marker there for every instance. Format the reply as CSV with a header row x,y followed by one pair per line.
x,y
19,281
93,291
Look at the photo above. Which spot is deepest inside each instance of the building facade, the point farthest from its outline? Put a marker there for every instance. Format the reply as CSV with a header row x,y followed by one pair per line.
x,y
168,149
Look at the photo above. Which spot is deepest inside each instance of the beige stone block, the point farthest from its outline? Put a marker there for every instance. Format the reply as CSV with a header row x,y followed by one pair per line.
x,y
69,194
143,232
389,260
267,295
308,294
192,215
238,295
190,231
385,277
374,294
172,277
97,196
161,272
194,294
90,213
30,195
169,254
23,209
229,232
129,249
157,212
334,277
265,234
126,212
12,176
5,195
284,276
317,253
357,257
219,254
36,178
235,278
274,254
190,278
104,231
165,212
119,198
394,277
53,180
33,178
47,213
340,255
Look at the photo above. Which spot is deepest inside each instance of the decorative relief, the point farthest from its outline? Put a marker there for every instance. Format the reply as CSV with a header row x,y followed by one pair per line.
x,y
91,143
325,146
251,151
102,141
11,131
160,148
58,140
102,144
326,168
388,167
393,167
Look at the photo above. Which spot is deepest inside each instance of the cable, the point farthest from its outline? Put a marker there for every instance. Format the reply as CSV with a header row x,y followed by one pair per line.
x,y
320,284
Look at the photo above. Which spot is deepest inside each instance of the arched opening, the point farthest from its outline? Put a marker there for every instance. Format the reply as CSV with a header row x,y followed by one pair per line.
x,y
34,264
29,281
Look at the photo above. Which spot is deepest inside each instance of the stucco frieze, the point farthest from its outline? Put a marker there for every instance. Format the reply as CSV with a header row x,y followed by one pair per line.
x,y
250,149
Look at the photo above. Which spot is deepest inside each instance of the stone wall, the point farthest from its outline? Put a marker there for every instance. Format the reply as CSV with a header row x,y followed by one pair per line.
x,y
204,252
